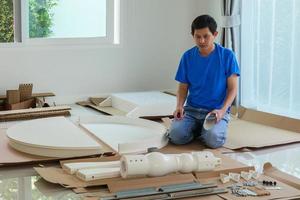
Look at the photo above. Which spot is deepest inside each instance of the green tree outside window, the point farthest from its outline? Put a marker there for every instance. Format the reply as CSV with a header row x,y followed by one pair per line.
x,y
6,21
40,19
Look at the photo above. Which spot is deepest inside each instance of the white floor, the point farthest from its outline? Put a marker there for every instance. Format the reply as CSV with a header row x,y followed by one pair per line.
x,y
22,183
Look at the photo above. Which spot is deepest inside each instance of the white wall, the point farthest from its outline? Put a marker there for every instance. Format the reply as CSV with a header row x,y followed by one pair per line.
x,y
212,8
155,34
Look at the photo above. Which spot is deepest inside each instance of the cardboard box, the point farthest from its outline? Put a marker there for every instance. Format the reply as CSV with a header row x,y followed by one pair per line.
x,y
30,103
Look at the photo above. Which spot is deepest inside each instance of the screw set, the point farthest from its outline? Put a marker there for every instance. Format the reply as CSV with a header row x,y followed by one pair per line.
x,y
269,183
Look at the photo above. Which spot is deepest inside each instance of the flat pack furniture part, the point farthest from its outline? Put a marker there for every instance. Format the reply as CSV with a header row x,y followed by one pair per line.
x,y
159,164
148,105
52,137
72,168
173,191
98,173
33,113
126,135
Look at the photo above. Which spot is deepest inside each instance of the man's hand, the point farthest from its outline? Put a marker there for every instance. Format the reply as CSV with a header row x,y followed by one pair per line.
x,y
178,113
219,114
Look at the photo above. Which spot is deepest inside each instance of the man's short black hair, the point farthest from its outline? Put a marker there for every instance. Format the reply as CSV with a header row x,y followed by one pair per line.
x,y
204,21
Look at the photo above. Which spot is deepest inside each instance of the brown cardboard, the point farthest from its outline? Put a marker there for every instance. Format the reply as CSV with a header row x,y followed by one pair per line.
x,y
29,103
96,101
273,172
45,94
13,96
25,91
272,120
195,145
137,183
256,129
242,133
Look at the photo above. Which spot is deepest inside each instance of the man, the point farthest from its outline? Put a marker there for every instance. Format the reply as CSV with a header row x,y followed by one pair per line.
x,y
207,76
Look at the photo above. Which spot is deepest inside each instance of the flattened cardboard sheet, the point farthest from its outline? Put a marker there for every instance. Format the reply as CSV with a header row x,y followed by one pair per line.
x,y
137,183
275,173
242,133
195,145
272,120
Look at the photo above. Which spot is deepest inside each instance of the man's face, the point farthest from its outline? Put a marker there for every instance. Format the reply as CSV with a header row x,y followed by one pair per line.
x,y
203,38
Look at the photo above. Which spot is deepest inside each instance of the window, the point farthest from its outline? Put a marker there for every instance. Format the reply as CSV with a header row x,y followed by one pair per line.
x,y
59,21
270,63
6,21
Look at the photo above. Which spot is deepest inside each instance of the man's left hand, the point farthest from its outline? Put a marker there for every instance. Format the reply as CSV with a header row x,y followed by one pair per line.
x,y
219,114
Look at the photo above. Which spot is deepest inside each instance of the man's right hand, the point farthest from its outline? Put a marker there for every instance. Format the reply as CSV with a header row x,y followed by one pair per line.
x,y
178,113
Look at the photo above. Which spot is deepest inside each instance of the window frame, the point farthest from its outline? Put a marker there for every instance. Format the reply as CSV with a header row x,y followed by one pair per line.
x,y
21,29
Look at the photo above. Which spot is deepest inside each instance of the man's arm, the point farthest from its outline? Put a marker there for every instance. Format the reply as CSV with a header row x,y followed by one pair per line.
x,y
232,86
181,97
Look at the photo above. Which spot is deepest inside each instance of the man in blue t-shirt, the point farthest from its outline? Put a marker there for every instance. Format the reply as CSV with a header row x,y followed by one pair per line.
x,y
207,75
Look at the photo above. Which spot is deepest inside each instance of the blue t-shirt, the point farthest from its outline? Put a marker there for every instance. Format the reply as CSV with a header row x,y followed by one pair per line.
x,y
206,76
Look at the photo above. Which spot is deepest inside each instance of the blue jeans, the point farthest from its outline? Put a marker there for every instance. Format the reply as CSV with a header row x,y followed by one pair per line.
x,y
191,126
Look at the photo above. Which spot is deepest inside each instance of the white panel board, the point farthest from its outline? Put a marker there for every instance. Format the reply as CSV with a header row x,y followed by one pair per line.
x,y
126,135
52,137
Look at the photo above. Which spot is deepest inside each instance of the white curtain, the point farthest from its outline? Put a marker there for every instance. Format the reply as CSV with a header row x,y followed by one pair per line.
x,y
270,56
230,30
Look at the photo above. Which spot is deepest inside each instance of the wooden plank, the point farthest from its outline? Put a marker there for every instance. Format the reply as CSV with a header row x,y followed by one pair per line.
x,y
26,116
44,94
33,110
